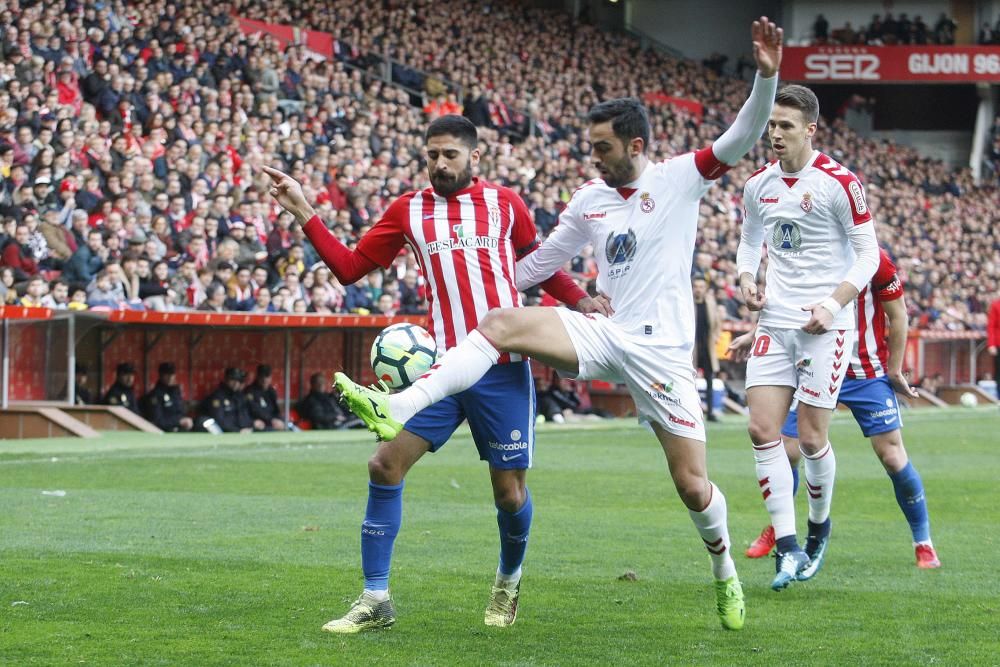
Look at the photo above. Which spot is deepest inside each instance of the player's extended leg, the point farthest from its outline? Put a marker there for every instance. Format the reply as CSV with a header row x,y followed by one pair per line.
x,y
707,508
820,469
386,469
909,494
535,331
514,511
769,406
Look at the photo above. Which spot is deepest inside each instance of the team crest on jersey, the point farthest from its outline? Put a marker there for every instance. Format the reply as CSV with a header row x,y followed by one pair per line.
x,y
786,236
493,217
646,203
807,203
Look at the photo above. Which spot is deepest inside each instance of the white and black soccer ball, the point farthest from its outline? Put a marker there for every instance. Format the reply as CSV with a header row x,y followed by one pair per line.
x,y
968,399
402,353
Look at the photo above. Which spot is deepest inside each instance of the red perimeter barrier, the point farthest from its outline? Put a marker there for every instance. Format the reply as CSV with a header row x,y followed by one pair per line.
x,y
38,365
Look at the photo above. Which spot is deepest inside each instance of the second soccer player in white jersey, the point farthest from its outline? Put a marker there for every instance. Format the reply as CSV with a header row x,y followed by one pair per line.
x,y
641,219
810,213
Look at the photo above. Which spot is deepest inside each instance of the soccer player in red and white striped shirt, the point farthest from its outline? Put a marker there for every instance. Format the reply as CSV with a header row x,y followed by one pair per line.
x,y
869,390
467,234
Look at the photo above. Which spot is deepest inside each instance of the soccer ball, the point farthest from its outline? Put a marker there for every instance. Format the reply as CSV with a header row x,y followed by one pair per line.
x,y
968,399
402,353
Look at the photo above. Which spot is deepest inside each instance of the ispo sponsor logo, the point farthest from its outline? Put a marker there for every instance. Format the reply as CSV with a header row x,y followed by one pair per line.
x,y
508,446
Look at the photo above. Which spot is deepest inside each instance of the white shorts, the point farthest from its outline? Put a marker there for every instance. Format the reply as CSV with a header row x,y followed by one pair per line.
x,y
659,377
814,365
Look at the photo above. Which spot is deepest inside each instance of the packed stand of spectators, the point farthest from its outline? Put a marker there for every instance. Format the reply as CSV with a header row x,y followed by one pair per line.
x,y
145,162
886,30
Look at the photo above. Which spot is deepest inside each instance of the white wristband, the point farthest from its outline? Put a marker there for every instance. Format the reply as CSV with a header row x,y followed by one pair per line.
x,y
832,305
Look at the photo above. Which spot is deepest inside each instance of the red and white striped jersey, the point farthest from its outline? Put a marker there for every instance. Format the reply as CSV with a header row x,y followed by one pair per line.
x,y
871,347
466,245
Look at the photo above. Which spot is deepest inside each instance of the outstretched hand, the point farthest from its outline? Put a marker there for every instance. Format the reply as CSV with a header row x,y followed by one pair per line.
x,y
288,192
767,38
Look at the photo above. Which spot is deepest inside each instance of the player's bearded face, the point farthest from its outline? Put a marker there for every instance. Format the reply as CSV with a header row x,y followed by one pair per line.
x,y
448,180
449,164
610,156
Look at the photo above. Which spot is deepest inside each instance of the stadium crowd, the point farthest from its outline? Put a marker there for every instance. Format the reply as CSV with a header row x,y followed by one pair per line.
x,y
887,30
131,138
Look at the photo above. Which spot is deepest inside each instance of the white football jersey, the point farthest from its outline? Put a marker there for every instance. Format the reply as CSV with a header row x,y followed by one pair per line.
x,y
643,237
803,219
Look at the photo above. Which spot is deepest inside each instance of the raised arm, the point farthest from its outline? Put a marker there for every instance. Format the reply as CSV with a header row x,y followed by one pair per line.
x,y
752,118
348,265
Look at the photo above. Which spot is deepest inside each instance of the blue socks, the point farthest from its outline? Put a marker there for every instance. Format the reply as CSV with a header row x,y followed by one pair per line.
x,y
910,496
378,533
514,530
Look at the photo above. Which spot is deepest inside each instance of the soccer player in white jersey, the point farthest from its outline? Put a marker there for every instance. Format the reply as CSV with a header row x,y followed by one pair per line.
x,y
642,219
811,214
869,390
468,235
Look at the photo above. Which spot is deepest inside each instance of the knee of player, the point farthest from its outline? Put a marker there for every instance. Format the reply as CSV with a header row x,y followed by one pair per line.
x,y
382,471
497,327
809,444
890,451
760,432
693,489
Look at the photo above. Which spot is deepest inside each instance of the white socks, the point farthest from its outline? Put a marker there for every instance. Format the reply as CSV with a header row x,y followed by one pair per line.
x,y
821,468
376,596
507,580
711,523
460,368
774,474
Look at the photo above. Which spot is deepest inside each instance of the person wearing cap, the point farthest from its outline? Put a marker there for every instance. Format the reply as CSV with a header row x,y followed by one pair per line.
x,y
250,250
122,392
263,400
227,405
42,193
164,404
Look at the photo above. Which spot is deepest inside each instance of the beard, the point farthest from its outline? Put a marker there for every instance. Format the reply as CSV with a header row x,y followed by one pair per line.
x,y
619,173
449,184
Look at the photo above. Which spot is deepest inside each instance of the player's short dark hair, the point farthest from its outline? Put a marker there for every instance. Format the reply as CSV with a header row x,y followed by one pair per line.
x,y
456,126
629,118
801,98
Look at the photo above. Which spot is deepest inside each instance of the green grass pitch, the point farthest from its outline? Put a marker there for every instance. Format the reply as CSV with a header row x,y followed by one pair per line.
x,y
234,550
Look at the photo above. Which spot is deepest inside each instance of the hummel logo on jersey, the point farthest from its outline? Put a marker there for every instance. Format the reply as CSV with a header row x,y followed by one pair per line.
x,y
595,216
511,457
768,200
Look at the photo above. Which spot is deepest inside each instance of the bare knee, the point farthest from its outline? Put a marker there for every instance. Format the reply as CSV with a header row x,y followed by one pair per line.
x,y
760,432
693,489
496,327
509,492
383,470
891,452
